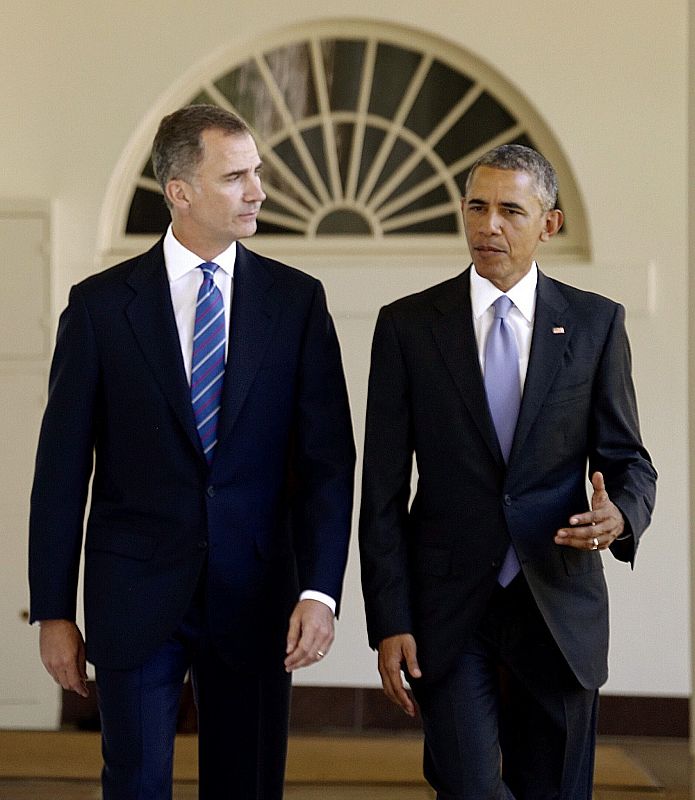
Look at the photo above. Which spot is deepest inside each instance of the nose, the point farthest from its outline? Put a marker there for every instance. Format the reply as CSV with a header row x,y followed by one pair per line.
x,y
254,190
491,223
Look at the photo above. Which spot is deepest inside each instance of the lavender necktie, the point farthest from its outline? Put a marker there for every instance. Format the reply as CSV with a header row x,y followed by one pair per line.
x,y
207,365
503,390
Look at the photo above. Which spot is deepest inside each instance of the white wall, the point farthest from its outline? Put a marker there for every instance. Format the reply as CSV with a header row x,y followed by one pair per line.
x,y
691,320
610,80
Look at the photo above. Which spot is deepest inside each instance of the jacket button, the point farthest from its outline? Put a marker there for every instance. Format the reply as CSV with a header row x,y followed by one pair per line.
x,y
507,500
211,491
496,563
202,545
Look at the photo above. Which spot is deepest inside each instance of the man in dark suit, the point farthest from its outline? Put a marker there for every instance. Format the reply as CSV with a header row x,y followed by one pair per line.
x,y
488,591
202,384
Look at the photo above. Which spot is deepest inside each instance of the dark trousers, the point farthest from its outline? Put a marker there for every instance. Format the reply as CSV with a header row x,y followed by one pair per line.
x,y
242,722
510,721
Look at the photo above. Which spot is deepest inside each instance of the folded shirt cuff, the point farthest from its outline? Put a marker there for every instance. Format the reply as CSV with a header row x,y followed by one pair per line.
x,y
310,594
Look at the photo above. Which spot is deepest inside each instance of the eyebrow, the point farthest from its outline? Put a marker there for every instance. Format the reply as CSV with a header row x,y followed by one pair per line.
x,y
236,172
476,201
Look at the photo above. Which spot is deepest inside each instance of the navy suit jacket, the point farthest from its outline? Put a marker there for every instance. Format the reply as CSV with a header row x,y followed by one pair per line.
x,y
430,568
269,517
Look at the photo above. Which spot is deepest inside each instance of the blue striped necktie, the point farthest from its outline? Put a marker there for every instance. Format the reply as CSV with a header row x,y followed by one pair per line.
x,y
207,365
503,389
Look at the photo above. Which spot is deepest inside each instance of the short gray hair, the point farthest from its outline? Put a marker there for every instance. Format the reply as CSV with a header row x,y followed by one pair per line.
x,y
177,148
523,159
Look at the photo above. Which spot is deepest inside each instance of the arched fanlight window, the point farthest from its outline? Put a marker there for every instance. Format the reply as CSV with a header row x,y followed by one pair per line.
x,y
367,131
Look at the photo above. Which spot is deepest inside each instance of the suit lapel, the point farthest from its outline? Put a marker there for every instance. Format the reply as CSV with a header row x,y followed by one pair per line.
x,y
254,311
455,337
552,331
151,317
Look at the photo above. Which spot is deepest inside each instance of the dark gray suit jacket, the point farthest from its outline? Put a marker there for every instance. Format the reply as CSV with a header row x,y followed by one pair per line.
x,y
429,569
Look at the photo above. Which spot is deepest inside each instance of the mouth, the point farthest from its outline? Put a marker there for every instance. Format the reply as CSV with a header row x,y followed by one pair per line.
x,y
487,248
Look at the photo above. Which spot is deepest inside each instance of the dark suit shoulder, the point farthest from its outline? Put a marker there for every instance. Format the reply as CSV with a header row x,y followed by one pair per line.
x,y
279,271
577,298
106,280
447,292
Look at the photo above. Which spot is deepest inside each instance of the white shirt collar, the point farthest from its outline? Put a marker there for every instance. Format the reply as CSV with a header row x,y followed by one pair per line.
x,y
522,294
180,260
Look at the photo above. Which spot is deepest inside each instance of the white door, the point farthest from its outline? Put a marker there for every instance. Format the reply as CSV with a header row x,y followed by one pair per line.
x,y
28,696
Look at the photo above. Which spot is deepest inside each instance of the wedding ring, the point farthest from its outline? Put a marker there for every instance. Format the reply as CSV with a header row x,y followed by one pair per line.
x,y
320,654
595,541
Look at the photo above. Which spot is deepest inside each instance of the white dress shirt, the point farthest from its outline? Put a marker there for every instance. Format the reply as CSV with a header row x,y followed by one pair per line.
x,y
185,280
520,316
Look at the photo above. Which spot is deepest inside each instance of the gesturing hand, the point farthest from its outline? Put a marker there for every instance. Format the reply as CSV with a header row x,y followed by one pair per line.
x,y
596,529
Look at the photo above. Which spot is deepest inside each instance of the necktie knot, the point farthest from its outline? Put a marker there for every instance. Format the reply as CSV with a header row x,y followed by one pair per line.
x,y
502,306
209,268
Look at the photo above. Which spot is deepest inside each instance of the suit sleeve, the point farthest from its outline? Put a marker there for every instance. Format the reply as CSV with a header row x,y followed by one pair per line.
x,y
63,467
324,459
616,447
388,459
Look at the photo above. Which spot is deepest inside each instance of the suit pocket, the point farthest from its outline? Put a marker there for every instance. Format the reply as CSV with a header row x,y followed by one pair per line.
x,y
139,546
580,562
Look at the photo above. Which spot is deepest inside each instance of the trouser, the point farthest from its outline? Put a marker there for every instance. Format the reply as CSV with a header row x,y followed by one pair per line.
x,y
242,722
510,721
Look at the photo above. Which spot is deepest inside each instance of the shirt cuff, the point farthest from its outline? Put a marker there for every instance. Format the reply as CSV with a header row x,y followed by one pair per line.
x,y
310,594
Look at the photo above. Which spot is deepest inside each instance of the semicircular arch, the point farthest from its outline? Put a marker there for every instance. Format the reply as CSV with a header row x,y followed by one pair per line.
x,y
367,131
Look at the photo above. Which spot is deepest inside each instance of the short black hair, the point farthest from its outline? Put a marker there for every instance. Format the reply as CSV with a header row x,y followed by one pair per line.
x,y
524,159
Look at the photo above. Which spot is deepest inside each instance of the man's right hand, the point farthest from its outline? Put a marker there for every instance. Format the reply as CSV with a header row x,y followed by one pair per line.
x,y
62,652
394,653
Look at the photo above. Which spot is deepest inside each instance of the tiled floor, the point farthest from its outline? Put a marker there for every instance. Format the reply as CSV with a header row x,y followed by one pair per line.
x,y
667,760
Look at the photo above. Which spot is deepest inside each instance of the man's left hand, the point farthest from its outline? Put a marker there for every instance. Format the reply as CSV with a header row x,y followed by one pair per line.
x,y
596,529
310,634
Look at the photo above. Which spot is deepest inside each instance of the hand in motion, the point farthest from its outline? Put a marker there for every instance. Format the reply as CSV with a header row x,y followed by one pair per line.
x,y
596,529
62,653
395,652
310,634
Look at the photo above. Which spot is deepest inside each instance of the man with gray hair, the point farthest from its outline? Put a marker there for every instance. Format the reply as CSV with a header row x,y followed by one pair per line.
x,y
508,388
202,386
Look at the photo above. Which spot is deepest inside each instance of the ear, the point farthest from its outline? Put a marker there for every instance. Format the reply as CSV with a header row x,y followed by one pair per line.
x,y
176,192
553,223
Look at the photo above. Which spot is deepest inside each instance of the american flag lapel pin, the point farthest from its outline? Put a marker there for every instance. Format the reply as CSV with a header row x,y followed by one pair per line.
x,y
558,329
